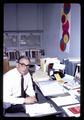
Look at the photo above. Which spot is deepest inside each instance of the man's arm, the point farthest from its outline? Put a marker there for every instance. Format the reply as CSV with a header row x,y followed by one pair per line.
x,y
31,99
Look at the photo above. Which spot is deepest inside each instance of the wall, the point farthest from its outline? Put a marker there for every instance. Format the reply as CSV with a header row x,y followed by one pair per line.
x,y
10,17
22,17
45,17
52,20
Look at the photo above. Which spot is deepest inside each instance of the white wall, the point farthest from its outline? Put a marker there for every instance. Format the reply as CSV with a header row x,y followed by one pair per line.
x,y
46,17
10,17
23,17
52,20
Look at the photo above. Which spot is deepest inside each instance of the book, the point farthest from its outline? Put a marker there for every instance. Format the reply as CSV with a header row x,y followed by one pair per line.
x,y
64,100
75,110
72,110
40,109
51,88
71,85
75,93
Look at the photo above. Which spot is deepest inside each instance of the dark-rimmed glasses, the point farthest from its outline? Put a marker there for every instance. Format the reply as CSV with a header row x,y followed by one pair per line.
x,y
23,65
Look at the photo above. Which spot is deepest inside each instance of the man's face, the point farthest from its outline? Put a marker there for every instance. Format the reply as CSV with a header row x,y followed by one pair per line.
x,y
22,66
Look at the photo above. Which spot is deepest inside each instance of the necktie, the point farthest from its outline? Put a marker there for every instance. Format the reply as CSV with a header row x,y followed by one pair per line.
x,y
22,86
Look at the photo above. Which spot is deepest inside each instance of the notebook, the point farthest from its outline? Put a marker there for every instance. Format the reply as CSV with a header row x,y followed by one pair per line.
x,y
72,110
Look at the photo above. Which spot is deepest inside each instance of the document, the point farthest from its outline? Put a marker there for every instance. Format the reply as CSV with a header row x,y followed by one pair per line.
x,y
50,88
58,66
75,91
68,78
72,110
40,76
71,85
39,109
66,100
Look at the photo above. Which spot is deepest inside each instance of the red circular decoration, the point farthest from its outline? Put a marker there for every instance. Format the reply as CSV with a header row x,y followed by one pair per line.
x,y
63,18
62,45
65,26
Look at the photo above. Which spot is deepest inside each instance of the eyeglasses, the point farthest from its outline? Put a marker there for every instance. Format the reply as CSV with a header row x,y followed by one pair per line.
x,y
23,65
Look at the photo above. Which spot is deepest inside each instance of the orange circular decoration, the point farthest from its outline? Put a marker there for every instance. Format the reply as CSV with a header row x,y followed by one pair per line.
x,y
66,38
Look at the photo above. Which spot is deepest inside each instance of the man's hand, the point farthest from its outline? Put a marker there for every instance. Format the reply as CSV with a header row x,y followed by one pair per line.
x,y
29,100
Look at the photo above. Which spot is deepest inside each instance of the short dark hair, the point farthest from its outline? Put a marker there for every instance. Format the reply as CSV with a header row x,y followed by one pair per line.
x,y
21,57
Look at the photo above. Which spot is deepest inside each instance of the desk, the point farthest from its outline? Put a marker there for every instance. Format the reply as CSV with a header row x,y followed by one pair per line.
x,y
41,100
69,79
47,99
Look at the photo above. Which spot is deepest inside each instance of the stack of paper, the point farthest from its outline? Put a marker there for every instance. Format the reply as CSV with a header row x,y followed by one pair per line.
x,y
68,78
75,93
39,109
71,85
66,100
50,88
40,76
59,66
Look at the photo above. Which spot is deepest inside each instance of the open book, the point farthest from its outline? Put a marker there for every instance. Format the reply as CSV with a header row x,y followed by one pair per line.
x,y
65,100
39,109
51,88
73,110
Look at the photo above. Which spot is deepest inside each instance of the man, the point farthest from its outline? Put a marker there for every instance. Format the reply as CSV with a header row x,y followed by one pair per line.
x,y
12,99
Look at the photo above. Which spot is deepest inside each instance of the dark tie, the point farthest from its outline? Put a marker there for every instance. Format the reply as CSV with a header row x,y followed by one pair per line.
x,y
22,86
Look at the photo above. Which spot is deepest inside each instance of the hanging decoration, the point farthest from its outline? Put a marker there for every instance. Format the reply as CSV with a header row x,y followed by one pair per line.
x,y
65,33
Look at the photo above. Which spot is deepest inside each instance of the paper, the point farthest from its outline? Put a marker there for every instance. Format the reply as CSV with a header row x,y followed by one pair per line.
x,y
71,85
72,110
40,76
66,100
58,66
75,93
39,109
70,82
68,78
50,88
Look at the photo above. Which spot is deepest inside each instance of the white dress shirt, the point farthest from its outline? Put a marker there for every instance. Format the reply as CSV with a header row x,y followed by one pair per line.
x,y
12,87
